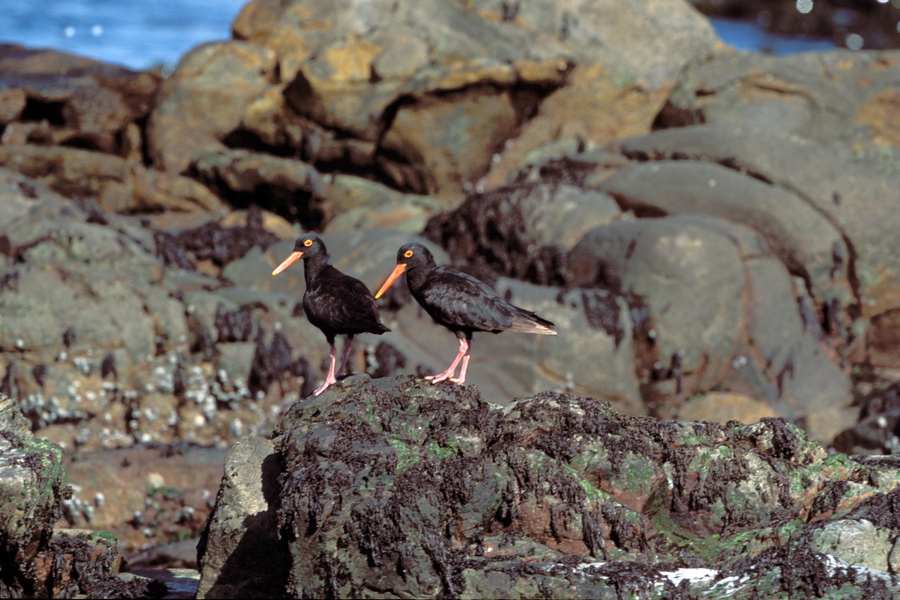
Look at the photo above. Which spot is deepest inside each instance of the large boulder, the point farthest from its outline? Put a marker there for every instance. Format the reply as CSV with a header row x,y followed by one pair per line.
x,y
844,100
747,334
400,487
428,111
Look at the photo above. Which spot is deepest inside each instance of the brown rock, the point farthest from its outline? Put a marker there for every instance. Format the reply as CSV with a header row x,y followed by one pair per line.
x,y
204,100
84,102
117,184
722,407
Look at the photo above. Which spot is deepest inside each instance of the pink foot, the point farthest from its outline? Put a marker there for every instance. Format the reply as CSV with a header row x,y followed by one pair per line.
x,y
330,378
462,355
324,386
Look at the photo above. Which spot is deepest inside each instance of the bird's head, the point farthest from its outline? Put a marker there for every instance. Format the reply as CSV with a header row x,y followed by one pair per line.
x,y
307,246
409,256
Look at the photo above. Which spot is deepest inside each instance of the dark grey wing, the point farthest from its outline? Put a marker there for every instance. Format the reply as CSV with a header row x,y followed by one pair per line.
x,y
457,300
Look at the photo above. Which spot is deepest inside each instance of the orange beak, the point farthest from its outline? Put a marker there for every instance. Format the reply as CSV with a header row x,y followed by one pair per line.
x,y
291,259
397,272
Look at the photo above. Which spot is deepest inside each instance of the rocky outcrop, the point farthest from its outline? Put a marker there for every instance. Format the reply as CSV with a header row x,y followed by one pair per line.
x,y
39,561
76,125
712,232
425,111
398,487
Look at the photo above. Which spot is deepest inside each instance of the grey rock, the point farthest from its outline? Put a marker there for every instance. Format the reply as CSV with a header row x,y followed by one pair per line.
x,y
838,99
241,554
795,164
804,239
672,262
747,330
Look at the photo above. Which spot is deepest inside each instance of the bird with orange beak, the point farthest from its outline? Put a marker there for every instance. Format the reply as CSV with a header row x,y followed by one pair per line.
x,y
460,303
334,302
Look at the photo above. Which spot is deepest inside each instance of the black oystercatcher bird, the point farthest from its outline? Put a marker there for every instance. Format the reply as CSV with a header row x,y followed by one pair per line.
x,y
334,302
460,303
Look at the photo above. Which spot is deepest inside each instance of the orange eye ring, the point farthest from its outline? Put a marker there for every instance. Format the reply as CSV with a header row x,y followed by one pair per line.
x,y
408,254
307,243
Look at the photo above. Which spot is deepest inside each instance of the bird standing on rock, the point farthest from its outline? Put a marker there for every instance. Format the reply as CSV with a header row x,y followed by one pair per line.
x,y
334,302
460,303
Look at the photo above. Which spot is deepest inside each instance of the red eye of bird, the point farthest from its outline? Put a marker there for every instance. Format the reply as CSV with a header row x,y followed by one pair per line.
x,y
307,243
408,253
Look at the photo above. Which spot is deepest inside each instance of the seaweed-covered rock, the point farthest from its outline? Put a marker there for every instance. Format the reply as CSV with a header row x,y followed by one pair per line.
x,y
32,490
36,560
402,488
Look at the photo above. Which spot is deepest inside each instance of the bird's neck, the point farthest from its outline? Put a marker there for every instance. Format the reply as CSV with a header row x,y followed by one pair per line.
x,y
417,276
313,266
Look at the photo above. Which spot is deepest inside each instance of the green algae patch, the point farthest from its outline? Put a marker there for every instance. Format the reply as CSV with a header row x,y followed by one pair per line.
x,y
636,474
407,455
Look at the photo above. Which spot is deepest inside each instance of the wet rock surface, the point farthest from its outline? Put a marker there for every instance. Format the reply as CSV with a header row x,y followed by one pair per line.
x,y
713,234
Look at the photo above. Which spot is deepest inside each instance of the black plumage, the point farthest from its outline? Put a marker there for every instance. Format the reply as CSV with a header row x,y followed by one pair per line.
x,y
460,303
334,302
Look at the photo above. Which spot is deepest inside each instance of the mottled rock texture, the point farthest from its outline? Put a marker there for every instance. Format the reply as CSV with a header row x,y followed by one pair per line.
x,y
395,487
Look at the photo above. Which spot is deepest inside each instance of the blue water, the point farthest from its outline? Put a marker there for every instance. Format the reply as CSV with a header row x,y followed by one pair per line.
x,y
747,36
138,34
141,34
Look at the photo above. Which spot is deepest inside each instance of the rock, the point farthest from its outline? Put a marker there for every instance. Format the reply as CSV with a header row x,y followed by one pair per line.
x,y
617,87
429,111
848,110
722,407
854,542
81,135
32,489
525,229
804,239
43,561
406,488
682,258
868,289
117,185
298,190
362,204
78,560
207,95
90,104
240,553
792,163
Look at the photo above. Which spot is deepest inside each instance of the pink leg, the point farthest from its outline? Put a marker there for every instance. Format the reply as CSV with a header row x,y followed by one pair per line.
x,y
348,346
465,367
448,374
330,378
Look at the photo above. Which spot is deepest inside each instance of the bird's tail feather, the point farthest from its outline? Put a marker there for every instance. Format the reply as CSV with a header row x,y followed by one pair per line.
x,y
531,323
